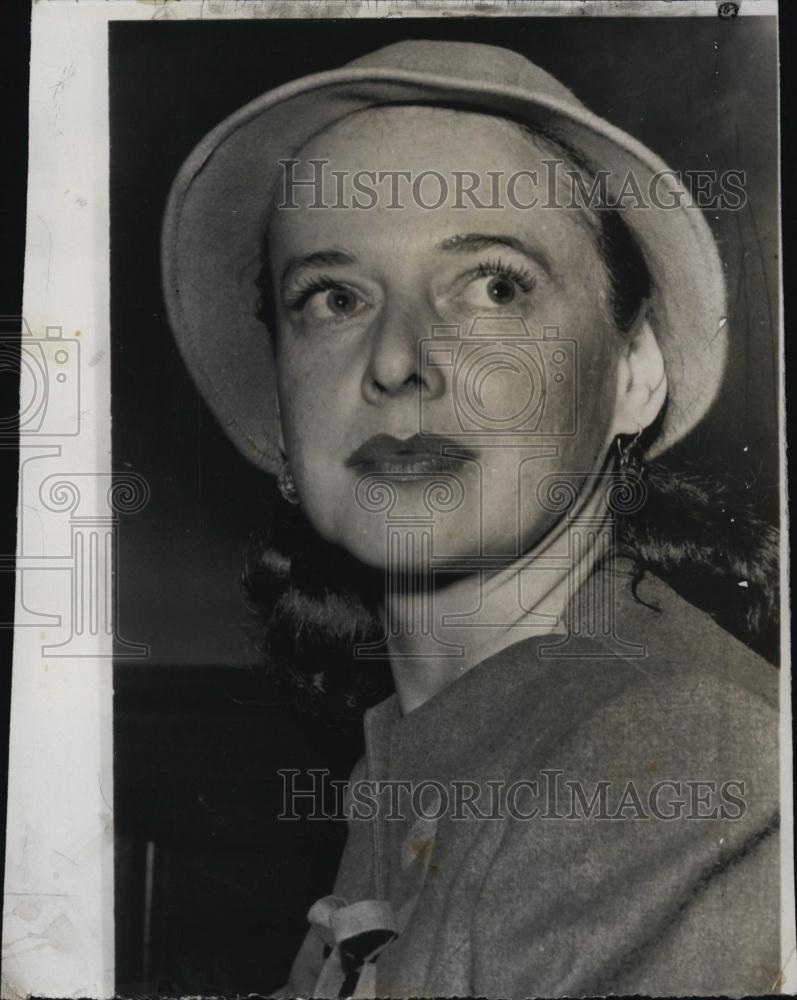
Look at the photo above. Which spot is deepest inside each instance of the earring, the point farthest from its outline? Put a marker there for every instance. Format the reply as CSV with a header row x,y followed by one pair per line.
x,y
631,459
286,484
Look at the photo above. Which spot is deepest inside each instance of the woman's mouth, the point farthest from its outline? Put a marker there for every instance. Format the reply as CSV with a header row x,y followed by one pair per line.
x,y
421,453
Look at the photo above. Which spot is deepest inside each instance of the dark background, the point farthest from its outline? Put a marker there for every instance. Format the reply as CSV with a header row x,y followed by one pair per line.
x,y
212,890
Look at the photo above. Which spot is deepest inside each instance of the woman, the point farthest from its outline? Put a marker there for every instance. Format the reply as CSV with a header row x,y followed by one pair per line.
x,y
423,290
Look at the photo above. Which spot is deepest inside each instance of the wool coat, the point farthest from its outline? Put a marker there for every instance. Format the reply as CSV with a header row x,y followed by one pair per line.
x,y
580,815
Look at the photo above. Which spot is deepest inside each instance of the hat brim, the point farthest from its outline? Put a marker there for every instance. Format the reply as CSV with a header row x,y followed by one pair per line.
x,y
216,215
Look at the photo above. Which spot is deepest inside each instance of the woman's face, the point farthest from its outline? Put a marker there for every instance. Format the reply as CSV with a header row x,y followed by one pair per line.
x,y
460,344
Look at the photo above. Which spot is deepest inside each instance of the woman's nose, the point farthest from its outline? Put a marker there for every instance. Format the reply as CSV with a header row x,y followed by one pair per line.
x,y
396,364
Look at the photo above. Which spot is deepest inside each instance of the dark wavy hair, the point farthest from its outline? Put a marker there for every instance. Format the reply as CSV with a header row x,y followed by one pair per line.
x,y
701,533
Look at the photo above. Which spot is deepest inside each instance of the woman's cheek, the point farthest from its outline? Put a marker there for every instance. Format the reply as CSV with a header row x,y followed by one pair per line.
x,y
599,345
314,432
302,393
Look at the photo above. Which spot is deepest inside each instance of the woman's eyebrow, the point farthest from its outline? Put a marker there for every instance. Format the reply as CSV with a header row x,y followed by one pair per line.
x,y
319,258
474,242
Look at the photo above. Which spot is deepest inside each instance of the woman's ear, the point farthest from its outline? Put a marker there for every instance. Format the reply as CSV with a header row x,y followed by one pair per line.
x,y
641,381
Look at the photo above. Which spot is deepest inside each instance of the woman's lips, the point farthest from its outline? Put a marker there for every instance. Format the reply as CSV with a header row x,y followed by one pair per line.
x,y
419,453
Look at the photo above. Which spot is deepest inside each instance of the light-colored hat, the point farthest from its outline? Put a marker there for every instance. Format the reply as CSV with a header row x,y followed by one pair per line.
x,y
217,209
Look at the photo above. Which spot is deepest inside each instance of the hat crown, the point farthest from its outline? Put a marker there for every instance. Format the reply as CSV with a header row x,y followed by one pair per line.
x,y
483,64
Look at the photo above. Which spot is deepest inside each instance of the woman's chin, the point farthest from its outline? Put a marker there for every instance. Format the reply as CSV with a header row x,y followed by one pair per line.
x,y
408,550
371,548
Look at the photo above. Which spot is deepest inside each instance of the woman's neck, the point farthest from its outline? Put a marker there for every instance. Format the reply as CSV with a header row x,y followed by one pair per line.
x,y
477,615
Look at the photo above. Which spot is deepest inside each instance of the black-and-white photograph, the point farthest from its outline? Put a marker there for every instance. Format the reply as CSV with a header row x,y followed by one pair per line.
x,y
445,498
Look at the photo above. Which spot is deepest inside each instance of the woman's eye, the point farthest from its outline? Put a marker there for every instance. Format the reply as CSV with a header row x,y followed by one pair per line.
x,y
324,300
497,284
502,291
334,305
341,301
